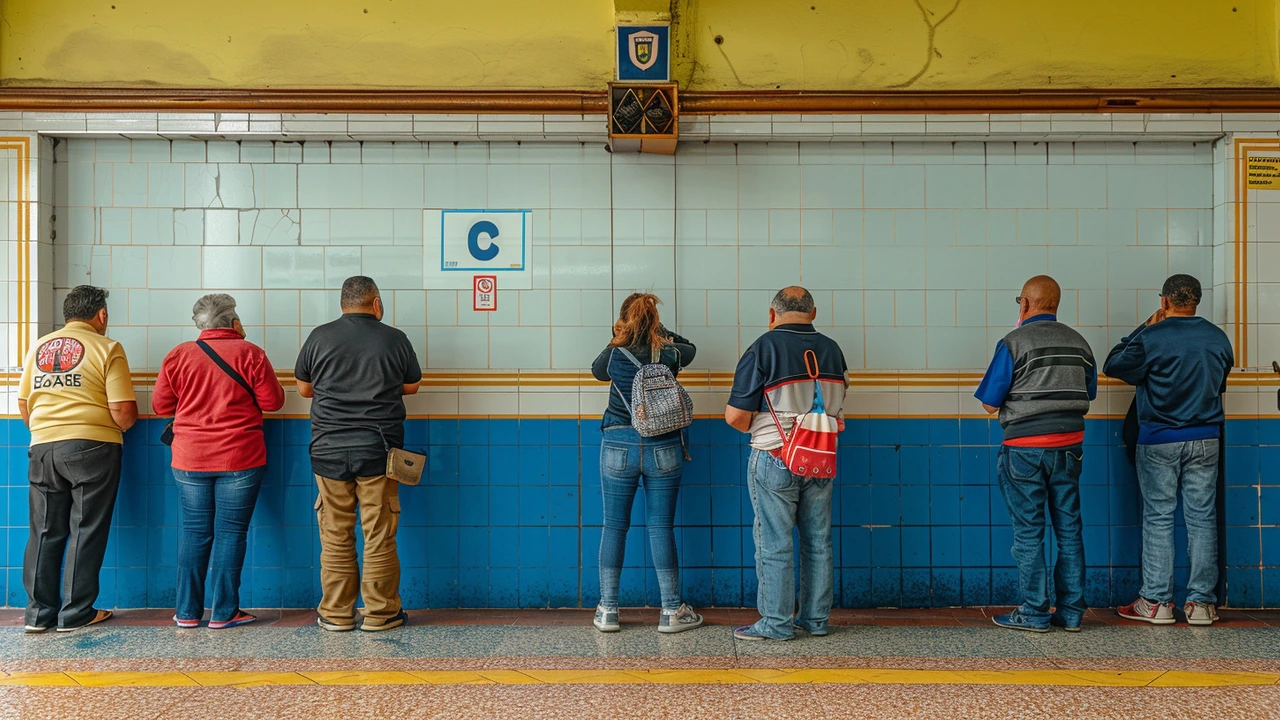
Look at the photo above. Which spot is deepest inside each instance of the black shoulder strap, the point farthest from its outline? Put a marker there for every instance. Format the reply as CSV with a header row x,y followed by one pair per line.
x,y
230,371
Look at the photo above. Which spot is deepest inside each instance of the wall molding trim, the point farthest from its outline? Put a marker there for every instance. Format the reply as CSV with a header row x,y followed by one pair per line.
x,y
102,99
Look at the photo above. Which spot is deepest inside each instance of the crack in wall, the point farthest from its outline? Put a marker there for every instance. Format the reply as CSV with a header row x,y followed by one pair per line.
x,y
931,51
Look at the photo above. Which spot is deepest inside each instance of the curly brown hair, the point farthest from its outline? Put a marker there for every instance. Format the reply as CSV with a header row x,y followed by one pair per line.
x,y
638,323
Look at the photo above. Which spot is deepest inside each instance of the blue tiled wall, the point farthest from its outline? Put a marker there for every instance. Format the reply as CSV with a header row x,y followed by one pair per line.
x,y
509,515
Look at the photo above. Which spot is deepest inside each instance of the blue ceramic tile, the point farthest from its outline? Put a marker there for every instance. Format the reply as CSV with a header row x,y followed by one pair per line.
x,y
944,431
915,505
534,431
504,465
442,547
1243,547
416,433
857,431
473,588
975,546
914,432
444,431
945,547
563,506
725,506
945,588
944,504
473,547
944,465
913,465
534,464
1242,432
974,431
886,587
1268,431
504,431
884,466
564,432
915,547
504,548
534,505
1242,466
884,505
442,506
1242,505
1244,587
726,547
885,432
916,587
854,465
473,506
504,587
564,465
414,587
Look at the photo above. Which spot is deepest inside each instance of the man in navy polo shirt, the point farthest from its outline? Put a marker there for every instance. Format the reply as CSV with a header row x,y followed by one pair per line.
x,y
772,372
1178,364
1041,381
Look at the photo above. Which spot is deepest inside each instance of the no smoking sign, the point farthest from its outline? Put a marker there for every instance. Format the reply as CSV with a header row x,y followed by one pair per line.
x,y
486,293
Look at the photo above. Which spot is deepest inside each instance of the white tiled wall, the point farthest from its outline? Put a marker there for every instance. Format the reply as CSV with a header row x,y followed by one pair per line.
x,y
914,250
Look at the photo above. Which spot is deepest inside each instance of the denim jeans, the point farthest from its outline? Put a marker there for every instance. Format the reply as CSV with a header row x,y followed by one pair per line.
x,y
216,509
626,460
1030,477
1160,469
782,502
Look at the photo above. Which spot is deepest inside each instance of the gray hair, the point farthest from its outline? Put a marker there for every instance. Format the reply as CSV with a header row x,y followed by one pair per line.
x,y
794,299
358,291
215,311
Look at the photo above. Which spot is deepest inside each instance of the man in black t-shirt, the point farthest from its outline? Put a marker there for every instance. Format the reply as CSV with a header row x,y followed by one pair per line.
x,y
357,370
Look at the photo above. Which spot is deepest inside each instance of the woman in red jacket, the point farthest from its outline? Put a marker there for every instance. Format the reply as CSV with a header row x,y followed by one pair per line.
x,y
216,389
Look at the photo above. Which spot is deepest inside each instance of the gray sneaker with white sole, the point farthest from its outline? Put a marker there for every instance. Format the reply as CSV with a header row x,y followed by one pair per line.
x,y
606,620
678,620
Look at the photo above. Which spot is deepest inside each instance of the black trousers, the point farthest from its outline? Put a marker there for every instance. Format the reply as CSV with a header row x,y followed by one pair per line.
x,y
73,493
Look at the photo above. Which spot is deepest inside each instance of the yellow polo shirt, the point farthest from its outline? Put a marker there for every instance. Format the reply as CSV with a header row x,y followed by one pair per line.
x,y
67,381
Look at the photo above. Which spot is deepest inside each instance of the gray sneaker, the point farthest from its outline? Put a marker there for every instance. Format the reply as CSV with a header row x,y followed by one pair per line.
x,y
1200,613
606,619
681,619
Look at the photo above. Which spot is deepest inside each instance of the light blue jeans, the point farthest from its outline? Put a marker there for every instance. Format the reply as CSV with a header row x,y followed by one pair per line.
x,y
1161,468
1031,479
782,502
626,460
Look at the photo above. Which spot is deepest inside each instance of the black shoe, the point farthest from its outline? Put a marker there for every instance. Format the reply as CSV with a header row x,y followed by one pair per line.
x,y
400,619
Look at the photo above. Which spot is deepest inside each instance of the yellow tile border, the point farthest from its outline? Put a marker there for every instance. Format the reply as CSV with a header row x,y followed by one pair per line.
x,y
697,676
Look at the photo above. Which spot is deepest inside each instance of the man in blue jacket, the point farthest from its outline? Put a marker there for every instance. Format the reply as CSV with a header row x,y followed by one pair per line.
x,y
1178,363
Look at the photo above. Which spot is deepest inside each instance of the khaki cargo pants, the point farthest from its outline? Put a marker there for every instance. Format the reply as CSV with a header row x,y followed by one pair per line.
x,y
379,501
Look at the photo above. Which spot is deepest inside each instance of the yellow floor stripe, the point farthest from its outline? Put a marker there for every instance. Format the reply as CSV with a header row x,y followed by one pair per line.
x,y
732,676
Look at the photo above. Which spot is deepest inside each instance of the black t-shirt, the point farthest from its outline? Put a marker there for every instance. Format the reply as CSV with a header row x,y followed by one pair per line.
x,y
357,367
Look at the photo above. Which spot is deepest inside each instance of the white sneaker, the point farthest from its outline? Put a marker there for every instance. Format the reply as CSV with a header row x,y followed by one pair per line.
x,y
606,620
678,620
1200,613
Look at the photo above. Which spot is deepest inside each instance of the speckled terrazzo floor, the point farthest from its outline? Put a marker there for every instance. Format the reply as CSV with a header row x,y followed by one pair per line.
x,y
914,642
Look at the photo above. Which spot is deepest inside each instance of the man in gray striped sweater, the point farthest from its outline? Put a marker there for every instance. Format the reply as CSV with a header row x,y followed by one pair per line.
x,y
1041,380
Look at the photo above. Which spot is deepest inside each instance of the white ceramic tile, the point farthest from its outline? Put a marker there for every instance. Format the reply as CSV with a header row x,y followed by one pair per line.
x,y
360,227
173,267
329,186
293,267
232,267
340,263
152,226
393,268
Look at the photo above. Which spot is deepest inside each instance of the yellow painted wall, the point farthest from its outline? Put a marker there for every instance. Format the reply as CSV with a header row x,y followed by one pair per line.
x,y
765,44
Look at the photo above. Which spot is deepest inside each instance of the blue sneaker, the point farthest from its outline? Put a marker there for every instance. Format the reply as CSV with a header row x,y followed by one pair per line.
x,y
749,633
1016,620
1057,620
813,629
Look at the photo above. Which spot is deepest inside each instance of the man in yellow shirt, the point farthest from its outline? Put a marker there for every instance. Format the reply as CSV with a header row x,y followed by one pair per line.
x,y
77,398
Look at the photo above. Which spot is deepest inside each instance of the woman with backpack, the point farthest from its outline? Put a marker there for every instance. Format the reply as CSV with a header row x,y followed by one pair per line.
x,y
643,442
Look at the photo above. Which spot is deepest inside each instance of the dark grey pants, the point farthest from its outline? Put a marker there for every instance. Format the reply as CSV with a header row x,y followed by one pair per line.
x,y
73,493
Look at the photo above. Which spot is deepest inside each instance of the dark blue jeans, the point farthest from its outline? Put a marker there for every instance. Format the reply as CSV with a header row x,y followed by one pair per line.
x,y
626,459
1030,478
216,510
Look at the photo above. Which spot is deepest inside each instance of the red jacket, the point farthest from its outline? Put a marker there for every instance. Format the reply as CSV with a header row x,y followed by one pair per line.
x,y
216,427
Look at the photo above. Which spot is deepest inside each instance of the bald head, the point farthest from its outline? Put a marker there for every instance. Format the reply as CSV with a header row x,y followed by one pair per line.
x,y
791,305
1040,294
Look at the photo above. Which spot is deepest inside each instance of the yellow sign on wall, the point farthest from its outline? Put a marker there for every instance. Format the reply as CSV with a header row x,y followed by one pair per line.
x,y
1263,172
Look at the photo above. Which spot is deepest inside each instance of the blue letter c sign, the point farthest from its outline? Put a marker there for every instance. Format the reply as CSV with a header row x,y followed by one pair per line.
x,y
484,227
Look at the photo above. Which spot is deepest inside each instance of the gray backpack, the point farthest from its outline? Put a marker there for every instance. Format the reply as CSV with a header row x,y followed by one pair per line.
x,y
659,405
